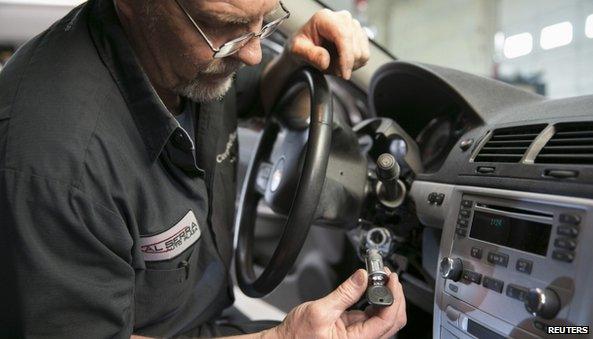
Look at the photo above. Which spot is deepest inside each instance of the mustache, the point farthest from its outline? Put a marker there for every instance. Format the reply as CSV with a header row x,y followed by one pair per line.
x,y
222,66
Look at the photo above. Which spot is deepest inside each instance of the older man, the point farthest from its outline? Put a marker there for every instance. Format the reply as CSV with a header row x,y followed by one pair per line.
x,y
117,169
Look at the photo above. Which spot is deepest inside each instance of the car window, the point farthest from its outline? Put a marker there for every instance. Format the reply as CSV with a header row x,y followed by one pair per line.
x,y
545,46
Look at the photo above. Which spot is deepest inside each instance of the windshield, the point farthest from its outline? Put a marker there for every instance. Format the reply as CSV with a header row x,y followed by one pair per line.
x,y
542,46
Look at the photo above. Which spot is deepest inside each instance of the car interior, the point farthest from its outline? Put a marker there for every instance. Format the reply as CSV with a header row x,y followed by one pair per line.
x,y
476,192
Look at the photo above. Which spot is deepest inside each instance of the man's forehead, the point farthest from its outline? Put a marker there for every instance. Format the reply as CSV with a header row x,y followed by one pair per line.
x,y
241,11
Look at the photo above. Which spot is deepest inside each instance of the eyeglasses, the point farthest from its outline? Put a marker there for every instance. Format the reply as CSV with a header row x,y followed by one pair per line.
x,y
233,46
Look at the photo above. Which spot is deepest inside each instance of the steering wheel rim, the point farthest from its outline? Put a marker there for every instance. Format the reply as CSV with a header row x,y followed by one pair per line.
x,y
305,199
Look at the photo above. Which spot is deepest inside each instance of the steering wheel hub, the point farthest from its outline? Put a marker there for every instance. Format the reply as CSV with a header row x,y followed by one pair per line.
x,y
277,175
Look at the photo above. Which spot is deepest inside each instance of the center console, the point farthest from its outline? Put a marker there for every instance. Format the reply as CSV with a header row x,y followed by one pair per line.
x,y
510,263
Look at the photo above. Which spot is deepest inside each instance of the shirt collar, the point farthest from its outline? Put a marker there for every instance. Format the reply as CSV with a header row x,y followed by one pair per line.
x,y
153,120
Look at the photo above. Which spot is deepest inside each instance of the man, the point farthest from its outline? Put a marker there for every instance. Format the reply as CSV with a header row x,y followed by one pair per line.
x,y
117,169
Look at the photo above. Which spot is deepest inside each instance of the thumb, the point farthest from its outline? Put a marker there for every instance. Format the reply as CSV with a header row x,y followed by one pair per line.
x,y
306,50
348,293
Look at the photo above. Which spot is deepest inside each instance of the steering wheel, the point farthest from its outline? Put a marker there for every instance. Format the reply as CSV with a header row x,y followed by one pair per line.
x,y
290,182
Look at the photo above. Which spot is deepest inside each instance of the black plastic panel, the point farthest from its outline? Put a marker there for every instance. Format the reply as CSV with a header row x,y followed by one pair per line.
x,y
492,105
481,332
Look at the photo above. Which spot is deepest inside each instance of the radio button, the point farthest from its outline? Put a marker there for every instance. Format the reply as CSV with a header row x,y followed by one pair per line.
x,y
453,288
476,252
493,284
461,232
466,203
435,198
569,231
498,259
571,219
439,199
563,256
524,266
472,277
517,292
464,213
565,244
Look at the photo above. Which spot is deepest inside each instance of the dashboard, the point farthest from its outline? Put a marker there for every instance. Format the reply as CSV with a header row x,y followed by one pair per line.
x,y
440,134
430,113
515,176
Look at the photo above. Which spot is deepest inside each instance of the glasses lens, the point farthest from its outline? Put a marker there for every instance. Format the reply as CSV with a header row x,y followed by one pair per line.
x,y
268,29
233,46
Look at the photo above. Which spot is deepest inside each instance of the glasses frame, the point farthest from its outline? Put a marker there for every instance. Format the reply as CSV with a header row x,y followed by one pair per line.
x,y
240,41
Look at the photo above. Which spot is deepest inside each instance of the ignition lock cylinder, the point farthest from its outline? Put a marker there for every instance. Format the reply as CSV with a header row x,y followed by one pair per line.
x,y
377,293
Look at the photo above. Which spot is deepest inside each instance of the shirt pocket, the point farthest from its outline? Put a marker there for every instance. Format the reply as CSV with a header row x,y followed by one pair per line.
x,y
160,293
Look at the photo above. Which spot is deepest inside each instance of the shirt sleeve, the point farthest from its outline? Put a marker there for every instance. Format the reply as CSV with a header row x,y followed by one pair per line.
x,y
66,261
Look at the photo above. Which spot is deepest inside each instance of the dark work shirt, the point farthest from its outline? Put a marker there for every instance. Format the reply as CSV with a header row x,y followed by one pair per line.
x,y
187,119
109,222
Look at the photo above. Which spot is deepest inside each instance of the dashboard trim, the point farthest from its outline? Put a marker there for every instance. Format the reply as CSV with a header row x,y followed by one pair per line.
x,y
538,144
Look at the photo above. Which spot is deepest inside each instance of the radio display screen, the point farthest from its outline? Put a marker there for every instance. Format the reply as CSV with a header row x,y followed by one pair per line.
x,y
524,235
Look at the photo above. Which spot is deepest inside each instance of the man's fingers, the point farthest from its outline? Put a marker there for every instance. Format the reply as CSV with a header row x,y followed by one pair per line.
x,y
356,51
347,294
305,49
340,37
362,42
366,46
333,42
397,318
357,43
385,321
373,327
352,317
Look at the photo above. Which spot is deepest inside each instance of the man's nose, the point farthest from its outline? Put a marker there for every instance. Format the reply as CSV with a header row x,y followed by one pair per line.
x,y
251,53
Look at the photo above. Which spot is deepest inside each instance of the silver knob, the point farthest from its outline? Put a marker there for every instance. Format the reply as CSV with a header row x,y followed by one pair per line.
x,y
544,303
451,268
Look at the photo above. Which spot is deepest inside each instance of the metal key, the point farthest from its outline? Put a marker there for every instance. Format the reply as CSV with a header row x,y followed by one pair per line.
x,y
377,293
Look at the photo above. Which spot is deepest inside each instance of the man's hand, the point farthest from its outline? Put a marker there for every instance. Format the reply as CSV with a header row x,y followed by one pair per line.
x,y
328,318
333,42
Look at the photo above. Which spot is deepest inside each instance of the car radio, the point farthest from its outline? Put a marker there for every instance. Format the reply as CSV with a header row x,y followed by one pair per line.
x,y
508,263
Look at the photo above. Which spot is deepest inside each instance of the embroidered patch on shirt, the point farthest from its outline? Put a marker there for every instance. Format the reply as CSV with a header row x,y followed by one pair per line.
x,y
228,151
172,242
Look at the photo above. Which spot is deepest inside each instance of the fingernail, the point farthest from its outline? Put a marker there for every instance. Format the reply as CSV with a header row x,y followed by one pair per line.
x,y
387,270
358,278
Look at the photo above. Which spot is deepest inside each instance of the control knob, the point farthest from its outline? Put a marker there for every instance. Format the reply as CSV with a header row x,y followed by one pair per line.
x,y
544,303
451,268
388,173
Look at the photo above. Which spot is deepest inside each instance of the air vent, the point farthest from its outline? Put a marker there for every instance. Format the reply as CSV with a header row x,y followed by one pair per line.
x,y
509,144
572,143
